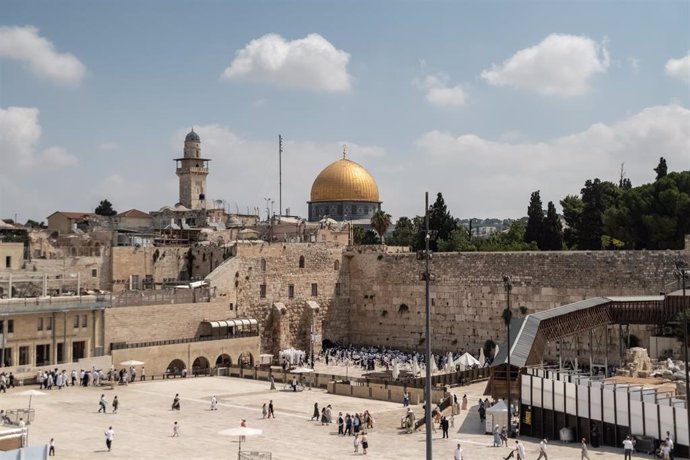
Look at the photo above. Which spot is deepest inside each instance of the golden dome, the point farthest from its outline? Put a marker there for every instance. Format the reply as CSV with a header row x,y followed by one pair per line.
x,y
344,180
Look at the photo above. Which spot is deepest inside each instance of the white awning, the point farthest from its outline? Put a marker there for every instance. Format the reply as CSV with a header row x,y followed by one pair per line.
x,y
313,305
232,323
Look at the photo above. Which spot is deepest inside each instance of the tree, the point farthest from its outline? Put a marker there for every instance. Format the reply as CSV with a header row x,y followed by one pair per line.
x,y
380,221
357,235
105,208
597,197
572,213
661,170
552,236
457,241
440,221
370,237
535,220
403,234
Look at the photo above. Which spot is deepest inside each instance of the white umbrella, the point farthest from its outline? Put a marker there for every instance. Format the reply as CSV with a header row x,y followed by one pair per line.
x,y
396,370
131,362
415,366
433,368
450,364
482,358
31,394
240,431
467,360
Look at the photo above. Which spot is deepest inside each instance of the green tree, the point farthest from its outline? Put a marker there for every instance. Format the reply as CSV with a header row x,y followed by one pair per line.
x,y
105,208
661,170
380,222
535,220
403,234
370,237
357,235
458,241
440,221
552,236
572,213
597,197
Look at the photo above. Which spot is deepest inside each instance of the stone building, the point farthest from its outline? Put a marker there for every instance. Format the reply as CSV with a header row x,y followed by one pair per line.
x,y
344,191
192,170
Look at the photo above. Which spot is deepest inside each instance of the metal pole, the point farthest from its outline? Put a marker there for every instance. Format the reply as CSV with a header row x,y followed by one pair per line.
x,y
508,287
427,329
280,175
684,275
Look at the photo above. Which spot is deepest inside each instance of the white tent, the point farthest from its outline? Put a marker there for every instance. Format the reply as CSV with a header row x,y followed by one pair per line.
x,y
482,358
496,415
396,370
467,360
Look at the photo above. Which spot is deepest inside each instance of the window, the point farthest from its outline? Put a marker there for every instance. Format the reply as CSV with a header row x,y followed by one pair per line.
x,y
263,265
94,273
337,289
314,289
232,306
336,265
42,355
23,356
10,326
84,321
262,291
301,261
291,291
76,322
60,353
2,326
40,324
49,324
78,351
8,261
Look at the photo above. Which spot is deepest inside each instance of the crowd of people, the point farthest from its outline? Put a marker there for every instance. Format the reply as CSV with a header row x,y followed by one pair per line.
x,y
356,425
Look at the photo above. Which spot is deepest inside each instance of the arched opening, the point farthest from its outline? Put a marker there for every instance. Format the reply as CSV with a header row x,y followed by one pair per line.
x,y
301,261
336,265
263,265
224,360
201,366
175,367
246,359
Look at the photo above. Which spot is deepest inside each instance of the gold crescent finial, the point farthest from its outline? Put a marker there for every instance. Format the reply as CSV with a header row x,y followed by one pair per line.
x,y
344,151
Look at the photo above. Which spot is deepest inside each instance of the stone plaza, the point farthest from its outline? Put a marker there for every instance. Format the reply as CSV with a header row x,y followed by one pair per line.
x,y
144,423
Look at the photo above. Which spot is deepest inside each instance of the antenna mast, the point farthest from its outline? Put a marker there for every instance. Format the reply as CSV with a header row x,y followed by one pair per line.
x,y
280,175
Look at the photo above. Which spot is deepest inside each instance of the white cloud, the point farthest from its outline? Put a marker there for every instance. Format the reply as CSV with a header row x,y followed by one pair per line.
x,y
311,63
561,65
59,157
439,93
26,45
19,134
679,68
504,174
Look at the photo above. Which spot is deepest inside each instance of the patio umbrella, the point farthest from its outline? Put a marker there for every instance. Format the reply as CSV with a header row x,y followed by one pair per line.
x,y
482,358
31,394
396,370
415,366
302,370
240,431
131,362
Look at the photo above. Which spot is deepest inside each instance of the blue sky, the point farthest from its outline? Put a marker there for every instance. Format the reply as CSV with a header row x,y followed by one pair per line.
x,y
482,101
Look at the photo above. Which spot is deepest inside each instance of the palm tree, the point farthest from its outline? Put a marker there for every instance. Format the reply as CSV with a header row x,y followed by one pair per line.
x,y
380,221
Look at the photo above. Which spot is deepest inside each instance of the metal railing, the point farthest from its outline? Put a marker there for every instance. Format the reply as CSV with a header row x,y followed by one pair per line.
x,y
157,343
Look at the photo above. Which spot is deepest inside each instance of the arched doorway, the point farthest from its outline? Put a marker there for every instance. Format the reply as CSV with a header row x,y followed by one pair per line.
x,y
246,359
175,367
224,360
201,366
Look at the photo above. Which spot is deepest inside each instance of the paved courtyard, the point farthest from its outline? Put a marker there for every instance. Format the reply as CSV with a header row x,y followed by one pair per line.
x,y
143,424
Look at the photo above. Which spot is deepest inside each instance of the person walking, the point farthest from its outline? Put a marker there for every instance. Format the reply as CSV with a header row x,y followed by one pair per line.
x,y
628,448
176,430
458,453
142,377
542,450
109,436
214,403
669,442
270,409
365,442
116,404
102,404
355,442
406,399
273,383
51,449
243,424
464,402
584,453
315,415
444,426
497,436
264,411
176,402
520,450
341,423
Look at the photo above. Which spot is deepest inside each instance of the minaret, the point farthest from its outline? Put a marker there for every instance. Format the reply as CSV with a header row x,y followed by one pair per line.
x,y
192,171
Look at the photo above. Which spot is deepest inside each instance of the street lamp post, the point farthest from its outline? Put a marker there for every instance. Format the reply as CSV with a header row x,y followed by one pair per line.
x,y
682,274
507,317
427,387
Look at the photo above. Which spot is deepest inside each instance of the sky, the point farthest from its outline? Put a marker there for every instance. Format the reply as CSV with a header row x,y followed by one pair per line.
x,y
482,101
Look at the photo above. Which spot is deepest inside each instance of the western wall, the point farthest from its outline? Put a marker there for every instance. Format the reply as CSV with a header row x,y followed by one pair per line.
x,y
375,295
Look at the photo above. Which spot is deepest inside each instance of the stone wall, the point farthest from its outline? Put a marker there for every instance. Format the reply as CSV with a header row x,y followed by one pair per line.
x,y
160,322
468,296
162,263
239,281
67,269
